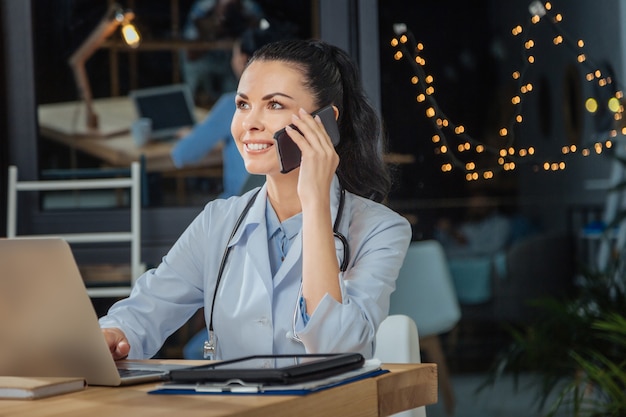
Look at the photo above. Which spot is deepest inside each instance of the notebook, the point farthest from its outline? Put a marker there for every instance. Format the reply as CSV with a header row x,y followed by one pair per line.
x,y
170,108
47,321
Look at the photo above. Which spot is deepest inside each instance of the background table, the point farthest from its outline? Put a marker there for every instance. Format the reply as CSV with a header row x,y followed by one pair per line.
x,y
112,143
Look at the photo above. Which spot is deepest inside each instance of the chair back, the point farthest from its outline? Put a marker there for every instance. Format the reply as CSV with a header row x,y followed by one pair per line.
x,y
425,290
131,181
397,341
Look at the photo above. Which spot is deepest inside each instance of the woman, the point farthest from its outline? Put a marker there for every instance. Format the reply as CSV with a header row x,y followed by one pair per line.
x,y
287,284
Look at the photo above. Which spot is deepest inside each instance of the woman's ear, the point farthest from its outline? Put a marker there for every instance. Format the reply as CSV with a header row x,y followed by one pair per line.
x,y
336,110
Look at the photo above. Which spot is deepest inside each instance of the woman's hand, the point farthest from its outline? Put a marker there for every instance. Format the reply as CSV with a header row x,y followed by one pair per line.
x,y
117,342
319,158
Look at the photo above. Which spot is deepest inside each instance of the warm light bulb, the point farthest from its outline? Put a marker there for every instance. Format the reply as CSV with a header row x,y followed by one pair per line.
x,y
131,35
591,105
614,104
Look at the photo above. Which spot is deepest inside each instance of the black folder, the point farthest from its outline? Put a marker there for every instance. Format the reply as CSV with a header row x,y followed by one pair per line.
x,y
271,369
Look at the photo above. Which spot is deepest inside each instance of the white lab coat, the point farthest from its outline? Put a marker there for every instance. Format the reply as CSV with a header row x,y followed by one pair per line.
x,y
254,314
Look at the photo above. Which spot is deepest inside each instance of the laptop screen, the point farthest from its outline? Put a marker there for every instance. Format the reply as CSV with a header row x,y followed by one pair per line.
x,y
169,107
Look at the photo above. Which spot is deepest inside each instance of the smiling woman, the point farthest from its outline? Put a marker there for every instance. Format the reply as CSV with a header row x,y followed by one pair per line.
x,y
275,263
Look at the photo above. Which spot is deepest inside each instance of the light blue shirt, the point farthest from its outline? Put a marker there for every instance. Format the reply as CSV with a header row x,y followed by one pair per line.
x,y
254,312
280,236
205,136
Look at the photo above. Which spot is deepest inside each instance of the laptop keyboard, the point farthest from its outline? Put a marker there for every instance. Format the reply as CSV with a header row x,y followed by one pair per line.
x,y
125,373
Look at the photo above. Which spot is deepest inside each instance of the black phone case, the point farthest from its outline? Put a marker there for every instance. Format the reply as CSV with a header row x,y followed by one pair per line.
x,y
289,154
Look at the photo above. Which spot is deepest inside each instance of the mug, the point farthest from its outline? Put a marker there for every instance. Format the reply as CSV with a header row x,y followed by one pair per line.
x,y
141,131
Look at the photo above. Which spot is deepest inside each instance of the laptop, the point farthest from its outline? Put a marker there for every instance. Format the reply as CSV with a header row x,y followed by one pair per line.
x,y
170,108
47,321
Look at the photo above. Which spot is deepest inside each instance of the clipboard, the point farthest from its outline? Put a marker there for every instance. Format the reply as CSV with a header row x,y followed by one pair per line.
x,y
371,368
270,370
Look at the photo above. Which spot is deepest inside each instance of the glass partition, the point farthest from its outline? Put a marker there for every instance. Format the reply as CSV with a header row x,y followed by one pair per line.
x,y
183,42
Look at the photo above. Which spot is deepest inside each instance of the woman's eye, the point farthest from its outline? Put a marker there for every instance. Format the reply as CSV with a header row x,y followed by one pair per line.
x,y
242,105
275,105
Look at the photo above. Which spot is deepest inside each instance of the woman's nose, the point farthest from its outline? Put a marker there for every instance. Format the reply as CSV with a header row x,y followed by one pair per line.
x,y
252,121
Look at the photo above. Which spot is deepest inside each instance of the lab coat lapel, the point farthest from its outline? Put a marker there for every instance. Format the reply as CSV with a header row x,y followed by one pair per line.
x,y
256,250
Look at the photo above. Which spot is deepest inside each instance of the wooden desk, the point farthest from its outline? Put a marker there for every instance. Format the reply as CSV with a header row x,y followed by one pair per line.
x,y
406,386
65,123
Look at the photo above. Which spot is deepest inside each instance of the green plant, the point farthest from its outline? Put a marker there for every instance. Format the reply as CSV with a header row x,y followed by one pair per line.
x,y
576,349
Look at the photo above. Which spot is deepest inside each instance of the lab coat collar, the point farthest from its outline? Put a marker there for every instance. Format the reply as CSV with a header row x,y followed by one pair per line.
x,y
256,215
255,228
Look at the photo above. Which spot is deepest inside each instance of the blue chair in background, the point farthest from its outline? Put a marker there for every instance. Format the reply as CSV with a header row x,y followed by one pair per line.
x,y
425,292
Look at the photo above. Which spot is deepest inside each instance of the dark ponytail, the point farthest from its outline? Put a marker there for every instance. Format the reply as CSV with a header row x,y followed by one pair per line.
x,y
333,78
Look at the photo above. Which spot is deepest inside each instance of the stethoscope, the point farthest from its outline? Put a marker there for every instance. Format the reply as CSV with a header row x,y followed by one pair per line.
x,y
210,345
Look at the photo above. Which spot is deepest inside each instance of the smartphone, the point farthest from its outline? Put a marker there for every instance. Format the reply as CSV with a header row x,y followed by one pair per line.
x,y
289,154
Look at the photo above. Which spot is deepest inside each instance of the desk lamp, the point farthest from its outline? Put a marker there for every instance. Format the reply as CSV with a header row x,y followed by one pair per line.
x,y
114,18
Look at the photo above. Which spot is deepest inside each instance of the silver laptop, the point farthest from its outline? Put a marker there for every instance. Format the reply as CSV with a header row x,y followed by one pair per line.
x,y
170,108
47,321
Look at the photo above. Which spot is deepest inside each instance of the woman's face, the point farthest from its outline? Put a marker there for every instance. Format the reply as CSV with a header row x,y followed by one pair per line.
x,y
269,93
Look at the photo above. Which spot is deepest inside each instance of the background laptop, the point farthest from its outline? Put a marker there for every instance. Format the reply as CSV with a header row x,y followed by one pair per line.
x,y
47,321
170,108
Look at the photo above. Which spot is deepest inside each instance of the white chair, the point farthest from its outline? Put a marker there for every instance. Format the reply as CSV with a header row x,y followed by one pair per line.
x,y
425,292
131,182
397,341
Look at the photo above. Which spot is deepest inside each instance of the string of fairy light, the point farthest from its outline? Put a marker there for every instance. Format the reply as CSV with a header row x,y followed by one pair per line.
x,y
462,150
